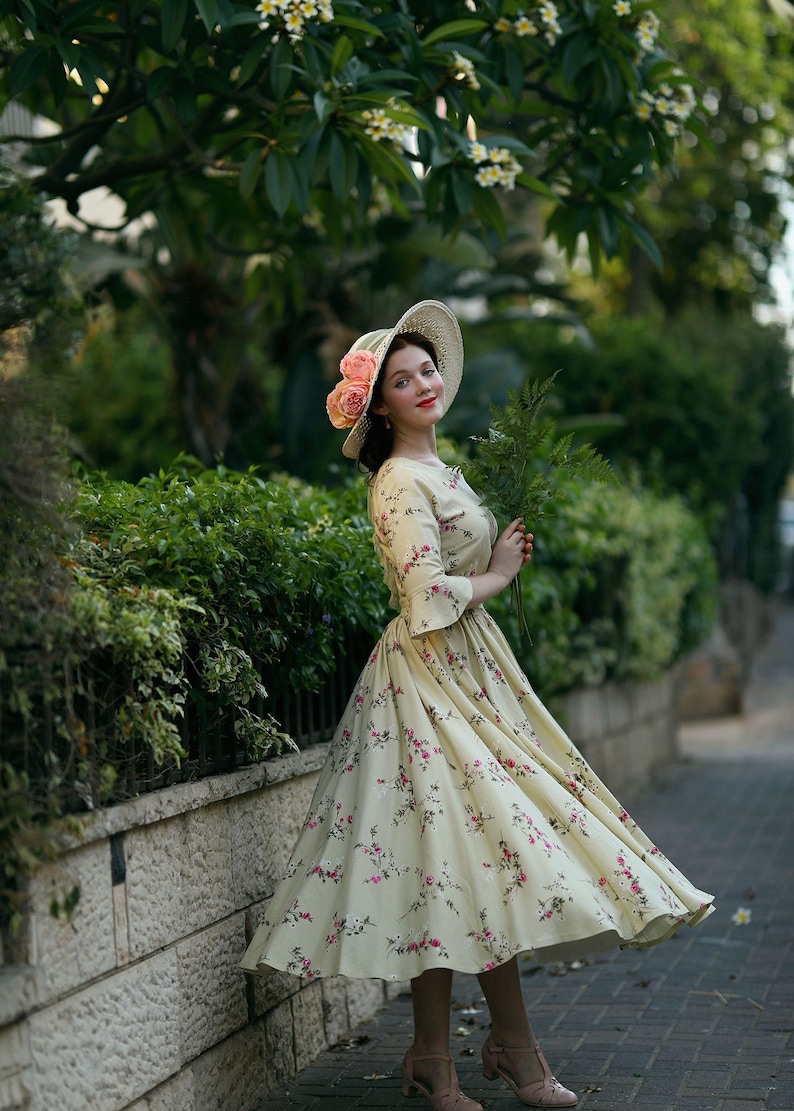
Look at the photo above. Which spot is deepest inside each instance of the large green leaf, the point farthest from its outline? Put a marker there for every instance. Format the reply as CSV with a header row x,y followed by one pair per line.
x,y
208,10
174,17
537,186
28,68
343,52
344,165
454,29
278,180
249,175
281,73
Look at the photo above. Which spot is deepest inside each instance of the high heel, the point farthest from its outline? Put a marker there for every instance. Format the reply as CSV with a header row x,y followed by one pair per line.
x,y
450,1098
547,1092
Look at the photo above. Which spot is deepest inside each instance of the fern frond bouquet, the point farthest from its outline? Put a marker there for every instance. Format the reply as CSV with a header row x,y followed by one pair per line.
x,y
517,467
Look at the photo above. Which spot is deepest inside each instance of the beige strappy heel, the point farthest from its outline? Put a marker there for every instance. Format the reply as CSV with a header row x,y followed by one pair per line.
x,y
547,1092
450,1098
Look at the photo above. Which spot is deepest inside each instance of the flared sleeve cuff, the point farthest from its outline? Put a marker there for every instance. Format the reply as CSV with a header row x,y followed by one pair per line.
x,y
438,605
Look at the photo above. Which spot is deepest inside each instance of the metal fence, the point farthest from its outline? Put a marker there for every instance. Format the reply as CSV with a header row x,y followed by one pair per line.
x,y
64,745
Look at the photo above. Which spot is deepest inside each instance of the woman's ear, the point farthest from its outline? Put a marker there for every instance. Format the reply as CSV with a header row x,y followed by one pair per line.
x,y
380,409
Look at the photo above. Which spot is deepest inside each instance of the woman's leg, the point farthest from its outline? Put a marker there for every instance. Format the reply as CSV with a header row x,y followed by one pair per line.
x,y
510,1025
501,987
430,1059
431,996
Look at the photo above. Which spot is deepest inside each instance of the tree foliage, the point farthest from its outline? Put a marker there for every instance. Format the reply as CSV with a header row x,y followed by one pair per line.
x,y
285,113
720,218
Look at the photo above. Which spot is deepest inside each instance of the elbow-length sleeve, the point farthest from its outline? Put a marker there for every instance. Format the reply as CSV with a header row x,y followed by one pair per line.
x,y
419,568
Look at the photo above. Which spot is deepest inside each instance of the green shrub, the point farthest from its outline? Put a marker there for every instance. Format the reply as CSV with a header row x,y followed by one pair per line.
x,y
279,573
706,407
275,568
622,583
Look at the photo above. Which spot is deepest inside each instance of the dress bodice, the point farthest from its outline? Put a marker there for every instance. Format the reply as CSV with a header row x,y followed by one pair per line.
x,y
432,534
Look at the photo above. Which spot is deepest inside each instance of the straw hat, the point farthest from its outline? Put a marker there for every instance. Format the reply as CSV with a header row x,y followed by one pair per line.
x,y
431,319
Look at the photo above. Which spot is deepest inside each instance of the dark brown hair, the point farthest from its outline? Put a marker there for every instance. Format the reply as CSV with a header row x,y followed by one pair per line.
x,y
379,439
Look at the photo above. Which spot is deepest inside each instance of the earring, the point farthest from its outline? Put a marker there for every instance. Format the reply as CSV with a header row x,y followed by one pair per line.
x,y
388,424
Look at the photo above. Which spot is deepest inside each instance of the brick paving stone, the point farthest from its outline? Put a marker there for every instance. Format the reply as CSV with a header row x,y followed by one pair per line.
x,y
671,1028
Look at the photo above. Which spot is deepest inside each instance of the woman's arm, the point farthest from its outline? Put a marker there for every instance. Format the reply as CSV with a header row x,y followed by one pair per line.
x,y
510,552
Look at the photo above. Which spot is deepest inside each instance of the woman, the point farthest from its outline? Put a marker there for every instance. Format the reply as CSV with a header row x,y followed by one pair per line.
x,y
454,824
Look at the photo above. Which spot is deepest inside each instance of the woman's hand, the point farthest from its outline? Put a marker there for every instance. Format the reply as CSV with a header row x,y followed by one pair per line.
x,y
511,551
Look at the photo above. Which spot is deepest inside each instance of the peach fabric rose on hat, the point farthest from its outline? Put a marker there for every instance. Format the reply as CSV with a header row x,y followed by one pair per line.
x,y
358,366
347,401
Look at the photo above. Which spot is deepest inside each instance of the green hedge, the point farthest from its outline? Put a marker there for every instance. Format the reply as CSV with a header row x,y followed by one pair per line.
x,y
194,581
237,572
622,583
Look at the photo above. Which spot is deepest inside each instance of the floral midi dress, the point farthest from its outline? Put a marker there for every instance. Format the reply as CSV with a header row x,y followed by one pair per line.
x,y
454,823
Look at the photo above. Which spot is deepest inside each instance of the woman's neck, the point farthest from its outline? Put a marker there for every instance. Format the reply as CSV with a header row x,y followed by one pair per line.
x,y
421,449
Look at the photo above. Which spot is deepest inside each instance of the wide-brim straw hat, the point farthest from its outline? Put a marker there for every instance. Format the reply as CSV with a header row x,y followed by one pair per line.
x,y
437,323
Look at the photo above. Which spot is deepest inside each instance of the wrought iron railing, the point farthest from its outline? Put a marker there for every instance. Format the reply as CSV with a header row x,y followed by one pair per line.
x,y
64,755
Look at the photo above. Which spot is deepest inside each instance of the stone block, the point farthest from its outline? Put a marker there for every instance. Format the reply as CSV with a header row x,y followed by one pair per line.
x,y
279,1046
364,998
154,879
179,877
393,991
211,986
111,1042
308,1025
711,681
16,1074
272,990
291,801
207,868
335,1016
611,765
617,701
17,993
14,1050
69,951
176,1094
638,754
255,840
230,1076
14,1092
584,715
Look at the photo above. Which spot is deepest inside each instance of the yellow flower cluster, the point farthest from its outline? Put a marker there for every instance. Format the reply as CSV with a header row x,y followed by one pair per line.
x,y
496,166
648,31
544,20
647,27
379,125
463,70
673,105
294,14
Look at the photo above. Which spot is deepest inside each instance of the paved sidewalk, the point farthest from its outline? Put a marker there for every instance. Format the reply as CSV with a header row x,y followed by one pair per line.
x,y
704,1022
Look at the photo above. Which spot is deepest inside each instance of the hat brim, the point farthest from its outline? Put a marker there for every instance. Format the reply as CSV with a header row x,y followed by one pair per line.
x,y
437,323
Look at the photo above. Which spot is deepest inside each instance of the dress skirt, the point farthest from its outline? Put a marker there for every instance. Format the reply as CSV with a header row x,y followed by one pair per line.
x,y
454,823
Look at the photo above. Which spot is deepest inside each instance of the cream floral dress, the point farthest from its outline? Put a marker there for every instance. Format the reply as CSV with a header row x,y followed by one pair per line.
x,y
454,823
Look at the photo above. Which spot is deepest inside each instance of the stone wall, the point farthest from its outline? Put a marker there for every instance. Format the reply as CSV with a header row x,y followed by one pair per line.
x,y
713,678
136,1003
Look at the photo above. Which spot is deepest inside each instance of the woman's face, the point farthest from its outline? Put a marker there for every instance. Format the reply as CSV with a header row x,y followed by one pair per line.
x,y
412,394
